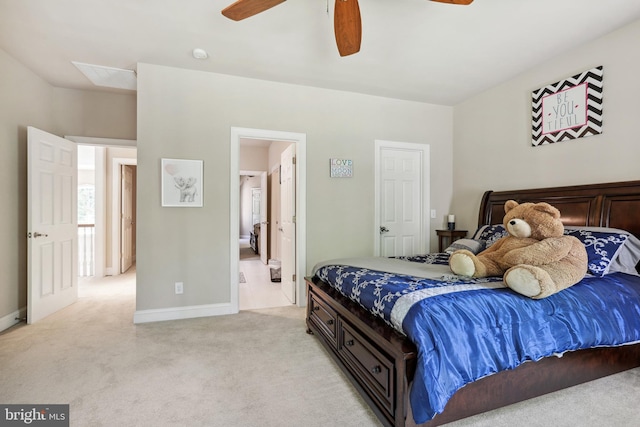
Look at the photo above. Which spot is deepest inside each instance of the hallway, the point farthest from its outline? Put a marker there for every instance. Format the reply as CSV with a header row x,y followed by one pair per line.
x,y
258,291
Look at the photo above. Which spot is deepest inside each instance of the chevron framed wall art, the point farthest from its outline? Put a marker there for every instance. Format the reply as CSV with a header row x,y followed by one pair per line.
x,y
568,109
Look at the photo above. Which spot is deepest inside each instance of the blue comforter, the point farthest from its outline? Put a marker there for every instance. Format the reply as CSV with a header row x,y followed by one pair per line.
x,y
466,329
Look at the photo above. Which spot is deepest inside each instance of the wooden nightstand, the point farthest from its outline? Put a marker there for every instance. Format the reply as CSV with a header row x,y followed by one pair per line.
x,y
449,236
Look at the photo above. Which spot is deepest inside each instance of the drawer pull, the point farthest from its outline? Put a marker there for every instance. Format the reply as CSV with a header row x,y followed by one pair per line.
x,y
349,343
330,322
316,308
376,369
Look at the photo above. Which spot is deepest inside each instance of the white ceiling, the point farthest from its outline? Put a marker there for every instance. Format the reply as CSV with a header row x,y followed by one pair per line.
x,y
411,49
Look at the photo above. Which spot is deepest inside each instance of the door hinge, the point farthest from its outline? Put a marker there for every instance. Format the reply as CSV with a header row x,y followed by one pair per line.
x,y
293,277
293,219
293,160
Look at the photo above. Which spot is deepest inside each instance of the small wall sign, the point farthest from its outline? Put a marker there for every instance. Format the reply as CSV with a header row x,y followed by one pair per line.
x,y
568,109
341,168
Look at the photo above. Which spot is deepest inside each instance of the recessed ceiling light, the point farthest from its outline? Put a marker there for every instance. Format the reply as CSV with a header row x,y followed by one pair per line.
x,y
200,53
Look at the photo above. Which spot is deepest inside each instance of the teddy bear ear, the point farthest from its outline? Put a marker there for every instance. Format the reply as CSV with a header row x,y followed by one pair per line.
x,y
510,204
547,208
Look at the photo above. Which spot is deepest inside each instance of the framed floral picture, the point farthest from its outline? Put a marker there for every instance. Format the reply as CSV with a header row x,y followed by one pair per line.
x,y
181,183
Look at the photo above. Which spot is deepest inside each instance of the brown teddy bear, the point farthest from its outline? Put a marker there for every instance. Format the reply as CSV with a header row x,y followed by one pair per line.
x,y
536,259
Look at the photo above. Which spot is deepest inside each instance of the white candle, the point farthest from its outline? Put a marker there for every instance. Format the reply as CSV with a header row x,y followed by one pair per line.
x,y
452,218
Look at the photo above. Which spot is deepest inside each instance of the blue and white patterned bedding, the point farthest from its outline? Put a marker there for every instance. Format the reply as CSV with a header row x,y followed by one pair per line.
x,y
466,329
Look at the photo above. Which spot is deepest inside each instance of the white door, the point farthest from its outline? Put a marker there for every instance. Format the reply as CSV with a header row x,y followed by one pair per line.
x,y
287,222
401,192
52,227
256,196
264,229
274,210
126,218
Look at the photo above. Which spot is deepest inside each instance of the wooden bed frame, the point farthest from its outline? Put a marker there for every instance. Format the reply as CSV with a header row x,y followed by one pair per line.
x,y
380,363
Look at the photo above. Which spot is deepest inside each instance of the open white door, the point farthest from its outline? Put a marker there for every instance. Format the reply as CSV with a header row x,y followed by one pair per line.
x,y
126,217
264,229
287,222
52,227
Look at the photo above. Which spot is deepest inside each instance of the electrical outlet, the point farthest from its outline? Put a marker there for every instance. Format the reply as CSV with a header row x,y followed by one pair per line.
x,y
179,288
433,214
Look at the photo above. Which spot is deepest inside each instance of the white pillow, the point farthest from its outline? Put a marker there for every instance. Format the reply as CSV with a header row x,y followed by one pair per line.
x,y
471,245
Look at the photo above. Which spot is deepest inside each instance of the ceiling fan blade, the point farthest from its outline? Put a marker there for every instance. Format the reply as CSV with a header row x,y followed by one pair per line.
x,y
347,26
463,2
245,8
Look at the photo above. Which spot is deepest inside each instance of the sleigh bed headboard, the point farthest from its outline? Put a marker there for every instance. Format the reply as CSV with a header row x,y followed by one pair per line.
x,y
615,204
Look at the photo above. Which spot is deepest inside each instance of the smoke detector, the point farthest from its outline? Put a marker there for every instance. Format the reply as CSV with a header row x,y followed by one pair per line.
x,y
200,53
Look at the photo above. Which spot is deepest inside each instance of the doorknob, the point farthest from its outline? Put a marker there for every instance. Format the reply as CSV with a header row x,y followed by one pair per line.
x,y
36,235
383,229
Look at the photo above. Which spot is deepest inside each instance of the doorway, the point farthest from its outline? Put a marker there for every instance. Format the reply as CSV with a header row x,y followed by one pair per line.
x,y
95,207
258,255
298,263
255,289
65,213
109,161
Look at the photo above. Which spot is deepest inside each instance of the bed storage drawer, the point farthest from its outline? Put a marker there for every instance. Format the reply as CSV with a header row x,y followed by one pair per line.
x,y
377,360
374,368
323,317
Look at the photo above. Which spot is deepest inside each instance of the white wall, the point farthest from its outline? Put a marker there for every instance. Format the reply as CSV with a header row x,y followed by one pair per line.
x,y
492,132
190,114
95,113
253,158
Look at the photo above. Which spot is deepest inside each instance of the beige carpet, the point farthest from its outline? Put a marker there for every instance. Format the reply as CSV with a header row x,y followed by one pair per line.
x,y
249,369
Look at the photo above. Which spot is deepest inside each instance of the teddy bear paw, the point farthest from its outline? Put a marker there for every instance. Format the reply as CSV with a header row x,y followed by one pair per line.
x,y
462,264
523,281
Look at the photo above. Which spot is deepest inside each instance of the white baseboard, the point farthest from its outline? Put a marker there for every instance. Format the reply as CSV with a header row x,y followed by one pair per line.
x,y
175,313
10,319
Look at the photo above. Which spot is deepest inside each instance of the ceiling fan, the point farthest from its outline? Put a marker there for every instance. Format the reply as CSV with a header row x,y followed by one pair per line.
x,y
346,21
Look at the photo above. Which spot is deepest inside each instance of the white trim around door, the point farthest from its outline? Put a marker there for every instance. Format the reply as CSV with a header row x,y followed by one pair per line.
x,y
300,140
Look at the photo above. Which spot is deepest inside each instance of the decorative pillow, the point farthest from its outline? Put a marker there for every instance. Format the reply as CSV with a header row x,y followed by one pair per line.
x,y
471,245
608,249
628,258
488,234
